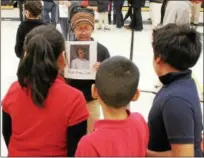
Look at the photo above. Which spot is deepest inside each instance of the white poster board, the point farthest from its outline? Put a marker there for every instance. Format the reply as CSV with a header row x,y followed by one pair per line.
x,y
81,57
63,11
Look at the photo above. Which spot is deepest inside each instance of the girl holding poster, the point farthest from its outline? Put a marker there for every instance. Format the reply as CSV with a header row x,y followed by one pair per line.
x,y
82,23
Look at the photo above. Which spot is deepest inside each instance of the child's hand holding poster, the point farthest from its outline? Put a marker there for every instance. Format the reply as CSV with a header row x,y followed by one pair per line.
x,y
81,58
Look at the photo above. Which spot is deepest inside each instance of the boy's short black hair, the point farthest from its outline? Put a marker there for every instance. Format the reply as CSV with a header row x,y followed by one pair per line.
x,y
117,81
178,45
34,7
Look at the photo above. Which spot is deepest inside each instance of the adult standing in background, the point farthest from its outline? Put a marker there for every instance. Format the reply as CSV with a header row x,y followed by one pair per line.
x,y
20,4
195,11
118,5
175,12
64,8
129,12
155,12
110,14
136,22
50,7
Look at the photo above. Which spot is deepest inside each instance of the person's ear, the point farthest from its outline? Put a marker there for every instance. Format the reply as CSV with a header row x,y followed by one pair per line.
x,y
74,31
136,96
27,13
92,30
61,62
158,60
94,92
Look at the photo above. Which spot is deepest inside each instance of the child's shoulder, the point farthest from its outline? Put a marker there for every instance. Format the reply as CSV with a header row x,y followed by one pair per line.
x,y
22,26
61,85
65,91
91,138
15,86
11,94
139,122
23,23
137,117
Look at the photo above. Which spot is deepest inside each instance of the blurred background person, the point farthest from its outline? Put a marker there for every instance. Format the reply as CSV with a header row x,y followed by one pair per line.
x,y
33,10
129,12
175,12
63,12
49,7
155,12
195,12
136,23
118,5
111,9
103,7
20,4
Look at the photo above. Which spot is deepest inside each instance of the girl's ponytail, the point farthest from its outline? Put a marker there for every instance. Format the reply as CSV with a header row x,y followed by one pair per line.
x,y
38,69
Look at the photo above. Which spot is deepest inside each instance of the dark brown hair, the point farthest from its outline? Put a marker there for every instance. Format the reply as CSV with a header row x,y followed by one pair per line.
x,y
34,7
38,69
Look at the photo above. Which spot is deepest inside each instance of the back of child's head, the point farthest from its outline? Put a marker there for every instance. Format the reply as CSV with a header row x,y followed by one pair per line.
x,y
39,67
117,81
34,7
178,45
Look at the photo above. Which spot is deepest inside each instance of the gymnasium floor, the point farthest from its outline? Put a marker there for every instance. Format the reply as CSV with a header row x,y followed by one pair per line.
x,y
118,43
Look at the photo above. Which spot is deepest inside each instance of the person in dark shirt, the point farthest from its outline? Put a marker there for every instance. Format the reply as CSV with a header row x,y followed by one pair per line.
x,y
175,119
136,23
82,23
118,5
50,8
103,8
42,115
33,10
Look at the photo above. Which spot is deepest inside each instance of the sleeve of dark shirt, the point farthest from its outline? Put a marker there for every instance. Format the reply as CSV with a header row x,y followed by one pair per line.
x,y
179,121
6,127
74,134
104,53
19,42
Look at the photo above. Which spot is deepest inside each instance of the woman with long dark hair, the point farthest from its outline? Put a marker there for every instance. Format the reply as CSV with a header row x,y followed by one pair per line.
x,y
42,115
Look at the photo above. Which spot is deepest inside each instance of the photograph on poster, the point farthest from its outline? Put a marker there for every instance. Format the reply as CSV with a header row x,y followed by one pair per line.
x,y
81,57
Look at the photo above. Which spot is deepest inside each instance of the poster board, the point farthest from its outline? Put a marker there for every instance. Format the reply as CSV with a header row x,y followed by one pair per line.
x,y
81,56
63,11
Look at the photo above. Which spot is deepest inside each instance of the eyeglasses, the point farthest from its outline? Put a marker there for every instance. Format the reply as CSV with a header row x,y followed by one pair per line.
x,y
83,30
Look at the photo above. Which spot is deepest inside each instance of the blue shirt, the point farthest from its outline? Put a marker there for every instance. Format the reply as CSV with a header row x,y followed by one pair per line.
x,y
175,117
